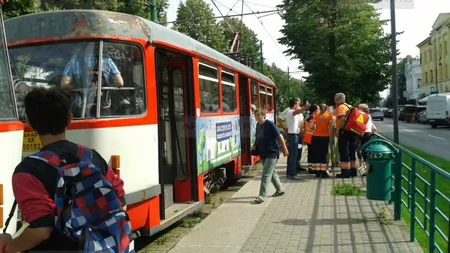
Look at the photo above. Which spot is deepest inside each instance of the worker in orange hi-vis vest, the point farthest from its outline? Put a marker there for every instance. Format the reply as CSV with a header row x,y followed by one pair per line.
x,y
347,141
313,110
321,122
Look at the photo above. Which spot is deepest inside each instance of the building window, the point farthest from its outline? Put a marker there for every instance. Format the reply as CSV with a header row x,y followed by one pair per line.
x,y
431,76
445,71
228,92
426,77
419,83
209,88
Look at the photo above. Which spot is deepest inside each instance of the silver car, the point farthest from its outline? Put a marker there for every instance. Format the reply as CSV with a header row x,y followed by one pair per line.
x,y
376,113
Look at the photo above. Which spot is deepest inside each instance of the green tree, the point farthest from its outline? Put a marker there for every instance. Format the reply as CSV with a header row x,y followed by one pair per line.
x,y
137,8
20,7
248,41
344,49
110,5
288,89
195,19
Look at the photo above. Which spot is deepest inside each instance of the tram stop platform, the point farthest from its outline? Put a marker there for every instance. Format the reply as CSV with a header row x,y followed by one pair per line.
x,y
307,218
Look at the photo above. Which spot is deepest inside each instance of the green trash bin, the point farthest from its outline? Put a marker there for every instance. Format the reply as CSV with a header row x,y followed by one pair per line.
x,y
379,181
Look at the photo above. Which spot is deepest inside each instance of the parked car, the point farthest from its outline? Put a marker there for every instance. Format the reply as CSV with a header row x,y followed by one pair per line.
x,y
376,113
388,113
422,117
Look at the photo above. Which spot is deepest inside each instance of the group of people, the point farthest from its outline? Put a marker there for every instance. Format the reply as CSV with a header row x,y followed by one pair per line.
x,y
323,133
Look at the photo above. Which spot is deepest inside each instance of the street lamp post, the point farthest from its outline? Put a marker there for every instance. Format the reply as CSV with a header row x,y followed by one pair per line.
x,y
394,72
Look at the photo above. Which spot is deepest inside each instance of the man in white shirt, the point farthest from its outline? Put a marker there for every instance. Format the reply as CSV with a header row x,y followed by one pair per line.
x,y
281,119
293,119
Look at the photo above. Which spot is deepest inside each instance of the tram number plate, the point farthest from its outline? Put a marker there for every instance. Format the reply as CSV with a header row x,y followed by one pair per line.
x,y
31,142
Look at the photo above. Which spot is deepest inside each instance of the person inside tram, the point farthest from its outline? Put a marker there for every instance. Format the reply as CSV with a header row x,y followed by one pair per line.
x,y
82,72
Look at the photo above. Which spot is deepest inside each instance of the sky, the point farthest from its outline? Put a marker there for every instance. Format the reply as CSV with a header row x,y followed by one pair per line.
x,y
414,17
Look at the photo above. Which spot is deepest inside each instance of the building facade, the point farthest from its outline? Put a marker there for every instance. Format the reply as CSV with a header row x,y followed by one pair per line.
x,y
435,58
413,75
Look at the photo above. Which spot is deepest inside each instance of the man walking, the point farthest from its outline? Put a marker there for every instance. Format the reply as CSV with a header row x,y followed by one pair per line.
x,y
293,118
346,140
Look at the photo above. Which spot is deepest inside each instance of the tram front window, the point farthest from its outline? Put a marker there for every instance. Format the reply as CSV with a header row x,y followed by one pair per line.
x,y
6,95
75,67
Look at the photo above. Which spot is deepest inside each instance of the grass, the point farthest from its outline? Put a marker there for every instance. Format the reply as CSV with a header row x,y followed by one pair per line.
x,y
347,190
442,185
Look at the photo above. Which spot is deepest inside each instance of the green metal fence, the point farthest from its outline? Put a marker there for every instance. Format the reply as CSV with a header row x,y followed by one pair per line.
x,y
420,196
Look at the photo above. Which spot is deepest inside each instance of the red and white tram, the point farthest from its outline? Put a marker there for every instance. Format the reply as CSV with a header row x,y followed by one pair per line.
x,y
174,116
11,133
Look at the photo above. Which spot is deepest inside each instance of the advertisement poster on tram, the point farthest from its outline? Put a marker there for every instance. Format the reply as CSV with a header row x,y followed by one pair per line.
x,y
218,141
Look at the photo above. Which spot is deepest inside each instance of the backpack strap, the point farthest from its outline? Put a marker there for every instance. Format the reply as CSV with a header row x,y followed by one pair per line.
x,y
85,154
11,214
48,157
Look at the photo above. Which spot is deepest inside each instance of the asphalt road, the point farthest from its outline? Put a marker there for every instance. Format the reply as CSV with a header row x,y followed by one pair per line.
x,y
420,136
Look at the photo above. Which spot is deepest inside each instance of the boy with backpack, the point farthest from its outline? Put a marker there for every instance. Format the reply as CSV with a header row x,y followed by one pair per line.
x,y
67,193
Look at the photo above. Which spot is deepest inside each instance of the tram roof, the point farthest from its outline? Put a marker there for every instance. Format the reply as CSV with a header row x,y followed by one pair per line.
x,y
68,24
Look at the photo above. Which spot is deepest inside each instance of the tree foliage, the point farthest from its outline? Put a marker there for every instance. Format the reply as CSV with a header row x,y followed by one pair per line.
x,y
195,19
344,48
248,41
135,7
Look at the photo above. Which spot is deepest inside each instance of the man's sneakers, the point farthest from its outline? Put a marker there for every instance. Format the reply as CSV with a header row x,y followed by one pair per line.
x,y
259,199
278,193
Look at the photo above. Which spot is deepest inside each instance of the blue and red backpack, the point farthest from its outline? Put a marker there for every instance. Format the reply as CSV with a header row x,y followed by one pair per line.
x,y
88,209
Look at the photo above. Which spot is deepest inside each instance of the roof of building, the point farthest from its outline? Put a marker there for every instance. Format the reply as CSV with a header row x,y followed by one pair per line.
x,y
70,24
423,42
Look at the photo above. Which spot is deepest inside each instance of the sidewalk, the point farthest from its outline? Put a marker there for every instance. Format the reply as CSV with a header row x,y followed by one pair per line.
x,y
308,218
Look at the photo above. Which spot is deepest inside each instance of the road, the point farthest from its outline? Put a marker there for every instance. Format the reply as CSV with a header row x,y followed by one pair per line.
x,y
435,141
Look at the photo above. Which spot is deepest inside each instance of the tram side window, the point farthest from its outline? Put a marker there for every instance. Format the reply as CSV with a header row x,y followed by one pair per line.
x,y
262,97
129,62
228,92
269,99
254,94
209,88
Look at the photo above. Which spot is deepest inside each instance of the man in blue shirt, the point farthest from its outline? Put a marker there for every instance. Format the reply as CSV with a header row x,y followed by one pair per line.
x,y
82,73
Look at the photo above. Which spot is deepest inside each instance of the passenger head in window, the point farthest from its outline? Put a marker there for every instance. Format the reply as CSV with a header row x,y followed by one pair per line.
x,y
85,68
56,105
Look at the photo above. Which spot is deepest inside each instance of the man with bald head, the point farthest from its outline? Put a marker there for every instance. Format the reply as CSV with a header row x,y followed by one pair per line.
x,y
346,140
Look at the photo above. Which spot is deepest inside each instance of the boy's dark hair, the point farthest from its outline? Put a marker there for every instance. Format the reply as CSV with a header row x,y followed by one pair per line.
x,y
48,110
293,101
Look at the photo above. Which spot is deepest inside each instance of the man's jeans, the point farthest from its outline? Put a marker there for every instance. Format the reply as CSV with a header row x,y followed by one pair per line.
x,y
293,153
269,174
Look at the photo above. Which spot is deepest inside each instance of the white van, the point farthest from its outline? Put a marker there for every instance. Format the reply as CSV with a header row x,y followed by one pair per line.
x,y
438,109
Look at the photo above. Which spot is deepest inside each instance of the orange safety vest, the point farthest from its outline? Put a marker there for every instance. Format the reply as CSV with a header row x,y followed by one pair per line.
x,y
356,121
308,134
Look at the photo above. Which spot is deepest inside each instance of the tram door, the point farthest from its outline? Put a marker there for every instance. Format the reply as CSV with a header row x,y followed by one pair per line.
x,y
175,106
244,105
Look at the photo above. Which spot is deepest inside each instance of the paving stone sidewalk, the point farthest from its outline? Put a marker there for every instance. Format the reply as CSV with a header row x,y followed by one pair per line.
x,y
308,218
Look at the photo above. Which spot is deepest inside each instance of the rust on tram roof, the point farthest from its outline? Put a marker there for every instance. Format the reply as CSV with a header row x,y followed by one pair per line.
x,y
70,24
